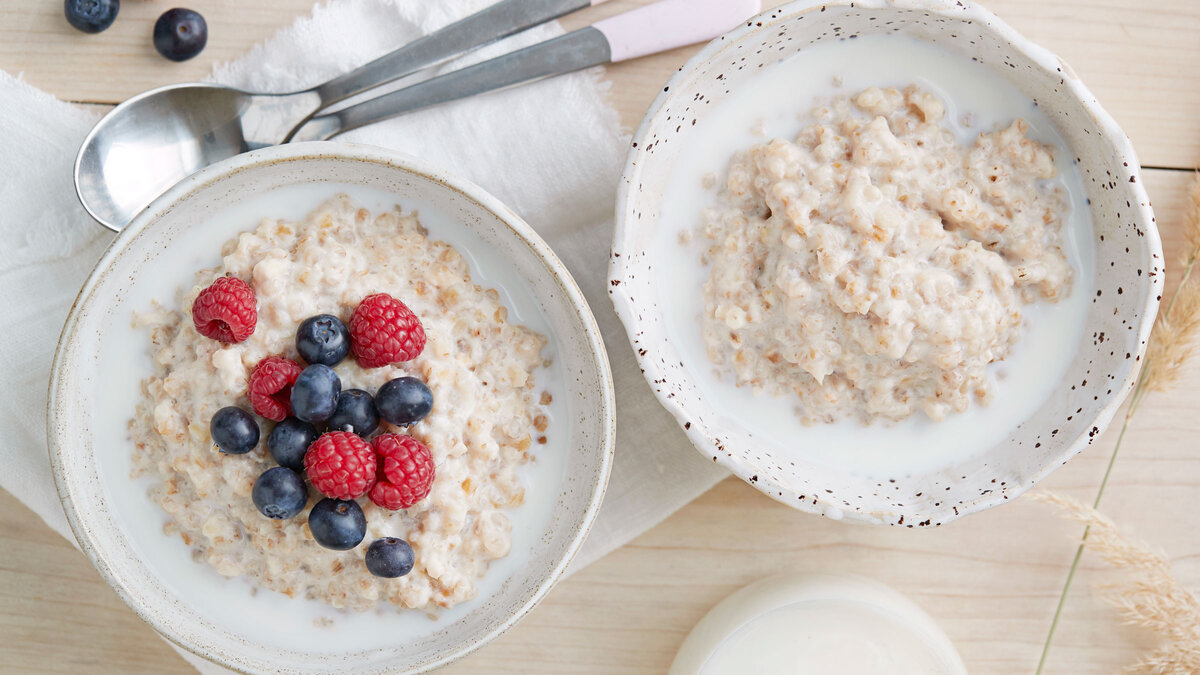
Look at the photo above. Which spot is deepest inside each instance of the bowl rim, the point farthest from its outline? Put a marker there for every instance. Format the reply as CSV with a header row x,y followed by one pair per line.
x,y
698,431
81,527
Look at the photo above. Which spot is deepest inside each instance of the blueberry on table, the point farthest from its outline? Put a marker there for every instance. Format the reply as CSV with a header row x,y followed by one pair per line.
x,y
315,393
289,440
91,16
404,400
337,524
234,430
279,493
323,339
355,413
180,34
390,557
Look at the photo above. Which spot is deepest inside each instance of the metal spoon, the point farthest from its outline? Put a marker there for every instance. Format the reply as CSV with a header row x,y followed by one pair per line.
x,y
150,142
157,138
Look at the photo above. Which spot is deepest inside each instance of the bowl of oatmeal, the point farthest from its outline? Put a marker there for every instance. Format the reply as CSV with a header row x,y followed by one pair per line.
x,y
885,261
239,550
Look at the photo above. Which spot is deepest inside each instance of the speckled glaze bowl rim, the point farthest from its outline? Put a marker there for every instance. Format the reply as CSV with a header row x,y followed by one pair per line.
x,y
694,426
85,529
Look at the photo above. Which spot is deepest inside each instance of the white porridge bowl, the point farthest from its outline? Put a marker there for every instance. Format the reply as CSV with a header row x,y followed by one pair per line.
x,y
881,473
102,359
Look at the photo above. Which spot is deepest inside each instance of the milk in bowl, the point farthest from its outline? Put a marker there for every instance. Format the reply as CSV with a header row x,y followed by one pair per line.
x,y
777,104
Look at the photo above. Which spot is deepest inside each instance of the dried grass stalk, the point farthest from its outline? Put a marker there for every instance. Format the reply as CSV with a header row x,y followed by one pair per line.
x,y
1173,337
1152,598
1191,220
1149,596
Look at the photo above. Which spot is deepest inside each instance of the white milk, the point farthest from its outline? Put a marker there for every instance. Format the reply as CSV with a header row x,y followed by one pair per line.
x,y
273,618
816,624
825,637
776,103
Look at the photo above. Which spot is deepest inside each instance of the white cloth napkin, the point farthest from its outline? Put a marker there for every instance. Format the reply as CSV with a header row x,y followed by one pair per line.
x,y
551,150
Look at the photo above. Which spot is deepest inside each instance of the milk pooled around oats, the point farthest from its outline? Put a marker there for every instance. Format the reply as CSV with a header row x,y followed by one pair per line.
x,y
777,103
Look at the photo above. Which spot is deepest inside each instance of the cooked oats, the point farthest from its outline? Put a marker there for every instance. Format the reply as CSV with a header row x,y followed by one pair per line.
x,y
480,367
875,266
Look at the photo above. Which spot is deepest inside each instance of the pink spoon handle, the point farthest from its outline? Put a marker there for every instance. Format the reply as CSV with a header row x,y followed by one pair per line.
x,y
668,24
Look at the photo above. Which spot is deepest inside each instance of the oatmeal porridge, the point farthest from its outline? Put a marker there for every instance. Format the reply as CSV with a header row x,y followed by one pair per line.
x,y
486,415
874,267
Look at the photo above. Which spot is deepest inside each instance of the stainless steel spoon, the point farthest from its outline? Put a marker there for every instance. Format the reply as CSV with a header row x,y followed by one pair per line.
x,y
152,141
157,138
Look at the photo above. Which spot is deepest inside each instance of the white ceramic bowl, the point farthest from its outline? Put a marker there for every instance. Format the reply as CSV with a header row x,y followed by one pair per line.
x,y
1127,254
101,361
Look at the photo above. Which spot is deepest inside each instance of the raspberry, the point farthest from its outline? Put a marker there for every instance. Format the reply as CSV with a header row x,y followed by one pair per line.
x,y
341,465
384,330
407,468
226,310
270,388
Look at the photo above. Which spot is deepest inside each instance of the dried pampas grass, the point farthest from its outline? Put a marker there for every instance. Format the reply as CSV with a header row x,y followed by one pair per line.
x,y
1149,595
1173,338
1152,598
1174,333
1191,217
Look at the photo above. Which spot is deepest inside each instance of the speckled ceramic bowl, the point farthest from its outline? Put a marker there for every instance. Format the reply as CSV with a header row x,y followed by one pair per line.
x,y
101,361
1127,254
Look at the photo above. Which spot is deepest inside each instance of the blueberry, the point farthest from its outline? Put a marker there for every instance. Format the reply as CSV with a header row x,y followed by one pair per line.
x,y
234,430
289,440
279,493
404,400
355,413
315,393
91,16
336,524
390,557
323,339
180,34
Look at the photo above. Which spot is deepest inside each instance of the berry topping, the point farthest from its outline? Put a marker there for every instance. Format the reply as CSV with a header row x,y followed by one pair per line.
x,y
225,310
355,412
341,465
234,430
404,400
270,387
405,471
91,16
279,493
315,393
289,440
390,557
384,330
339,525
180,34
323,339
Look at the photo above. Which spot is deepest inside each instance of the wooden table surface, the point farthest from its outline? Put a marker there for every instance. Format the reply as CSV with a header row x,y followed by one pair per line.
x,y
990,580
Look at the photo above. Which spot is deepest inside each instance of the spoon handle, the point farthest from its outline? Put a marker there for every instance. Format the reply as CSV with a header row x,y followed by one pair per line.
x,y
657,27
497,21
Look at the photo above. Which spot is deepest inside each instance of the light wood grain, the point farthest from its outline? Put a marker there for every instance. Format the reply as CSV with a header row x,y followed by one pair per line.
x,y
990,580
1140,58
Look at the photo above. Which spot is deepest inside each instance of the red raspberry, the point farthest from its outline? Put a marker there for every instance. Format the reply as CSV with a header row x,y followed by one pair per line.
x,y
226,310
341,465
384,330
270,388
407,468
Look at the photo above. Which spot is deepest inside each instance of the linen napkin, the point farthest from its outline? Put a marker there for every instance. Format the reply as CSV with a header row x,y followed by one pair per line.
x,y
551,150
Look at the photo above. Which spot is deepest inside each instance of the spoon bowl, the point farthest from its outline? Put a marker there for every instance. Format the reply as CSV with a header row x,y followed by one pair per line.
x,y
158,138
